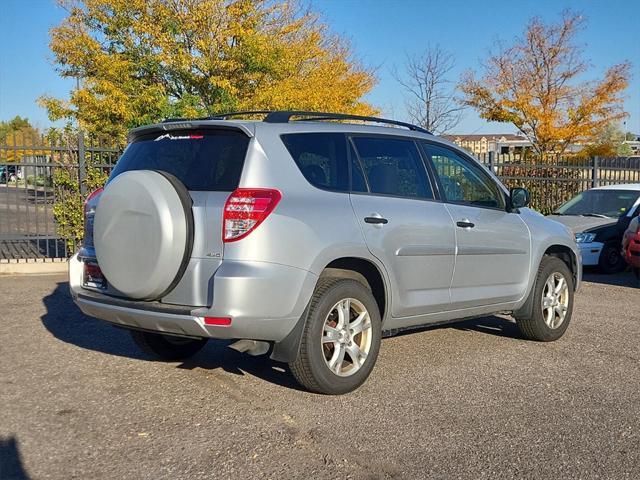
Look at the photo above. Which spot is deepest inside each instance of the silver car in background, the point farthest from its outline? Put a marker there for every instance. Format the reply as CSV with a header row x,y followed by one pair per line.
x,y
311,238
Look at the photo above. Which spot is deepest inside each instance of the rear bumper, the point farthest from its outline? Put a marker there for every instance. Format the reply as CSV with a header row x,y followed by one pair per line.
x,y
590,253
264,301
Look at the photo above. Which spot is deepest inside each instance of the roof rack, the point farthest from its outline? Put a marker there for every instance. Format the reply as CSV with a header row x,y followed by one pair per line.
x,y
224,116
219,116
284,116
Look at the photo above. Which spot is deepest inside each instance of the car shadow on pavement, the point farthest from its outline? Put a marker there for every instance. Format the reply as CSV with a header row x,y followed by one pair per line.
x,y
490,325
64,320
11,467
217,355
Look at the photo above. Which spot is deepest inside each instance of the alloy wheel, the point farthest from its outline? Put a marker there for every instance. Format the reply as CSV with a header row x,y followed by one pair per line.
x,y
555,300
346,337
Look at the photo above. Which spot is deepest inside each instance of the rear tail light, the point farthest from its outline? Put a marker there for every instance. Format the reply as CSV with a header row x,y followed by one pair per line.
x,y
93,276
245,209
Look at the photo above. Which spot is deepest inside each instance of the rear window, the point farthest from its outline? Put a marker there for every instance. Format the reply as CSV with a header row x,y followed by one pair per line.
x,y
321,157
202,160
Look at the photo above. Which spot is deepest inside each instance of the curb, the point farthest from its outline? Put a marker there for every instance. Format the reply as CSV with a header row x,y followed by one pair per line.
x,y
33,268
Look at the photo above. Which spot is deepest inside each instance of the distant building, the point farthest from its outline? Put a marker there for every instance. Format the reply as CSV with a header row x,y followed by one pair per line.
x,y
634,145
500,143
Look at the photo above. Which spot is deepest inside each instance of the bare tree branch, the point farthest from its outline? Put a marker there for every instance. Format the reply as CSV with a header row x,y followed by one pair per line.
x,y
431,101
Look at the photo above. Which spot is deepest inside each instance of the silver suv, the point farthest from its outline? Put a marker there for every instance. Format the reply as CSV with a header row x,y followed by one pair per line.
x,y
313,239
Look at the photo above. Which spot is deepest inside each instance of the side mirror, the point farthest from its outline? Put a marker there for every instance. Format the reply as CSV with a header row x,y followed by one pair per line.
x,y
520,197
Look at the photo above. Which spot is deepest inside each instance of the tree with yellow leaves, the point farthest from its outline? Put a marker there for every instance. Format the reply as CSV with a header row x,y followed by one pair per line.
x,y
139,61
534,84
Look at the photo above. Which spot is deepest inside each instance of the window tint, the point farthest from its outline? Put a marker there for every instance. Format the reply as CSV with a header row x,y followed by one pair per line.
x,y
208,160
321,157
462,180
393,167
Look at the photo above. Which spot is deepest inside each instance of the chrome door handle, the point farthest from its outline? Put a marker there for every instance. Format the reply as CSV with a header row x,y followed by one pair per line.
x,y
376,220
465,223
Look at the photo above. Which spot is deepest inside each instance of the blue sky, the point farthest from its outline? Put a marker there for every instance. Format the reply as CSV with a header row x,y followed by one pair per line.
x,y
381,33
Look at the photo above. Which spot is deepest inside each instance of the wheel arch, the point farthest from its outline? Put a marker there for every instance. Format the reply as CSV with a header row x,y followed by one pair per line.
x,y
364,271
358,268
568,256
558,250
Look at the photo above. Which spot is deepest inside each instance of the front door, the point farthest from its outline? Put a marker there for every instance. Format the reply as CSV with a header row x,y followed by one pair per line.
x,y
493,245
404,227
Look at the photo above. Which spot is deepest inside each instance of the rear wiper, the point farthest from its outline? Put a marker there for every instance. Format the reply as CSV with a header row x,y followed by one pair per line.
x,y
597,215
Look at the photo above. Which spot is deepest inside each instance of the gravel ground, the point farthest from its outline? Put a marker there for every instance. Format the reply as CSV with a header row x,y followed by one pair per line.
x,y
469,400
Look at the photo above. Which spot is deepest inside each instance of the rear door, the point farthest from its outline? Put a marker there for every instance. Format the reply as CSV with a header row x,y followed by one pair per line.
x,y
409,231
209,163
493,245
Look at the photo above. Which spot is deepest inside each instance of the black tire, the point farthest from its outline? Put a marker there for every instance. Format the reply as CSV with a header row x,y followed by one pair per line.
x,y
530,320
611,261
167,347
310,367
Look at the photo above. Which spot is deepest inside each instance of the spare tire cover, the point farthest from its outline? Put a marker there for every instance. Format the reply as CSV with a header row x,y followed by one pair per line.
x,y
143,233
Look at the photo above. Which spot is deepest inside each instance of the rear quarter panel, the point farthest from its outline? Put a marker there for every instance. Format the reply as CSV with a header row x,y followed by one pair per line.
x,y
309,228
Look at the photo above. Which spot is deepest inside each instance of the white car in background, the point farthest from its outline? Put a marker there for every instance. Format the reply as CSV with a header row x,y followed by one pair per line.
x,y
598,217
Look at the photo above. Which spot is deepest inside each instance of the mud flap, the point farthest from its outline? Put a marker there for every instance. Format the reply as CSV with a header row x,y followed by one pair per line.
x,y
288,348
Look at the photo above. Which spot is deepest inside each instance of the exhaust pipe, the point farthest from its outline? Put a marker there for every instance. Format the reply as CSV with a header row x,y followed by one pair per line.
x,y
252,347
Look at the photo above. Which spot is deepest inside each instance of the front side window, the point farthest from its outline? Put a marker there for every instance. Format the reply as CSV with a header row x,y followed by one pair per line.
x,y
393,166
462,180
321,157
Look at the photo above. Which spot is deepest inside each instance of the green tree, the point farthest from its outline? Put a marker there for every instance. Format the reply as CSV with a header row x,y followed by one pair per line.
x,y
68,209
608,142
139,61
16,124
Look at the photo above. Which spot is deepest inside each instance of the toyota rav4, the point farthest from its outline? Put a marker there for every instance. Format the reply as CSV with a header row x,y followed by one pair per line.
x,y
312,235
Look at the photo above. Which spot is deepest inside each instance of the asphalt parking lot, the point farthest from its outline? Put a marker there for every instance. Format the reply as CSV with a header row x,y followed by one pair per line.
x,y
470,400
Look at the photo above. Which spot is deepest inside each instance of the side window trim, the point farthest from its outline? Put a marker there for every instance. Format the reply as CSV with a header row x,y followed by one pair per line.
x,y
427,173
434,178
351,148
474,166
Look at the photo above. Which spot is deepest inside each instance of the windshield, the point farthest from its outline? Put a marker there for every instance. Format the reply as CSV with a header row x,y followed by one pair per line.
x,y
209,160
608,203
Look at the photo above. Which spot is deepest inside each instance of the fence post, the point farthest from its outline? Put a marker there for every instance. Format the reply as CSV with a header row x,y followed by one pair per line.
x,y
82,166
491,162
595,172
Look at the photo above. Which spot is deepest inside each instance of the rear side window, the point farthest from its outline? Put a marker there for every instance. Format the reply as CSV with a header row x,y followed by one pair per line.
x,y
321,157
393,167
202,160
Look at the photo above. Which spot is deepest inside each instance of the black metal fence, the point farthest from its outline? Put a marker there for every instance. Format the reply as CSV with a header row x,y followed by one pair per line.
x,y
29,168
552,184
31,171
